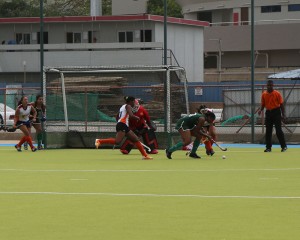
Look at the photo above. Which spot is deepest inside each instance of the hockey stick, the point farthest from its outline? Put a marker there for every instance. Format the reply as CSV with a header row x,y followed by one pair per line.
x,y
223,149
145,146
12,129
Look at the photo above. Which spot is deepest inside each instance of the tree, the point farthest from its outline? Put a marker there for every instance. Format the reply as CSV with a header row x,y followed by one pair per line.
x,y
18,8
156,7
106,7
68,8
31,8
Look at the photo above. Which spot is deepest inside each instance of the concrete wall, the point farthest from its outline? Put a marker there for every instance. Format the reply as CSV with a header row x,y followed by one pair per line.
x,y
105,32
121,7
13,61
186,43
277,45
193,6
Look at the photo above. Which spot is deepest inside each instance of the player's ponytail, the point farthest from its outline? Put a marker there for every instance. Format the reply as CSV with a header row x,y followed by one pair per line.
x,y
20,101
129,99
211,115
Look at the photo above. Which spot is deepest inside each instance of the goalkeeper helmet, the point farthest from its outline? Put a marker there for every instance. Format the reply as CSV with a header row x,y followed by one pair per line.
x,y
136,106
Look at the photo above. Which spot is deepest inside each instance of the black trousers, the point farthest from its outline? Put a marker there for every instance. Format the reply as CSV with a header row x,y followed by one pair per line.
x,y
273,117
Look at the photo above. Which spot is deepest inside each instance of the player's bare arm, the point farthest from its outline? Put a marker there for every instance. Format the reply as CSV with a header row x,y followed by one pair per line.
x,y
130,113
34,113
17,113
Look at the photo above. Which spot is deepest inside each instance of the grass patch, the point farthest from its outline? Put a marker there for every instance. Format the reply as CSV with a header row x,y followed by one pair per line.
x,y
101,194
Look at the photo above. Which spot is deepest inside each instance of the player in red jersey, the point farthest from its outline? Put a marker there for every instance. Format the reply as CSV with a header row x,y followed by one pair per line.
x,y
143,127
122,128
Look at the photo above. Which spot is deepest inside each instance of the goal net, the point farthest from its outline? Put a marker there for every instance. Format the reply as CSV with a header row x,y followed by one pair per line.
x,y
87,99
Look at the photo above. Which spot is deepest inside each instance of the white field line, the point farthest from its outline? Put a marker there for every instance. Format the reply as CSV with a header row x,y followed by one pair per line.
x,y
148,170
218,151
269,178
145,195
78,179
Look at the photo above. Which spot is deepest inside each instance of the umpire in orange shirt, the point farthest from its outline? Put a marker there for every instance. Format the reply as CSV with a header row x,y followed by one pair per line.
x,y
273,102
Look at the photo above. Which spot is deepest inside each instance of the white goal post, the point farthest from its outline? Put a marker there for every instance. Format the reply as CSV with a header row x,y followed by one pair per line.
x,y
60,82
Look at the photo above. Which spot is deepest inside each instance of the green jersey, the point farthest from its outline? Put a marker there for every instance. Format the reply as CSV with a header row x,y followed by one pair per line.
x,y
188,122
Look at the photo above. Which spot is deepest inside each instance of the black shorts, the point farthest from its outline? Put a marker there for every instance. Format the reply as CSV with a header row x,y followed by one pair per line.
x,y
122,127
26,123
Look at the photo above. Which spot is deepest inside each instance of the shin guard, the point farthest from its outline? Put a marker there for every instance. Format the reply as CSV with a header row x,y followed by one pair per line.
x,y
149,139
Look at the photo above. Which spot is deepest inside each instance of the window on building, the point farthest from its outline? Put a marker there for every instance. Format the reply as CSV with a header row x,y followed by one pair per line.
x,y
19,38
92,37
270,9
26,38
23,38
125,36
77,37
73,37
45,38
204,16
146,35
294,7
69,37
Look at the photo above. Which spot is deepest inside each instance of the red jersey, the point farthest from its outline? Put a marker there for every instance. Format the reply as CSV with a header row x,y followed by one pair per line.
x,y
144,119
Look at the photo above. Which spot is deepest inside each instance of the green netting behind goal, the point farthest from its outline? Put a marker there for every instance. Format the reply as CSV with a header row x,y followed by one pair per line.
x,y
80,107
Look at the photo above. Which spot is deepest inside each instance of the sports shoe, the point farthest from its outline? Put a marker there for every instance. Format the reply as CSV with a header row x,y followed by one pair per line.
x,y
168,154
18,148
194,155
40,147
283,149
123,151
25,145
33,149
97,143
210,152
268,150
147,157
154,151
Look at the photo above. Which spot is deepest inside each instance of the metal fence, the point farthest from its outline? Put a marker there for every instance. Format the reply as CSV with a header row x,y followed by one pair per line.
x,y
93,108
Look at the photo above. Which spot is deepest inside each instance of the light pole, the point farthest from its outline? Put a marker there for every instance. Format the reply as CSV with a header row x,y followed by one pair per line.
x,y
252,74
41,43
165,33
24,67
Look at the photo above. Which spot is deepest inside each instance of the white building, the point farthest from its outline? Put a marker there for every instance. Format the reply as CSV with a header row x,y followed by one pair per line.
x,y
227,40
99,41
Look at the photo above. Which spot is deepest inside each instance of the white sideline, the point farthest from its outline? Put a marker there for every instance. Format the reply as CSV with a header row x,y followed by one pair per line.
x,y
147,170
145,195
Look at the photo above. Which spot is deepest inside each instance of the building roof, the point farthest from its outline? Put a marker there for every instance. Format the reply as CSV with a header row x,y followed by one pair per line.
x,y
293,75
138,17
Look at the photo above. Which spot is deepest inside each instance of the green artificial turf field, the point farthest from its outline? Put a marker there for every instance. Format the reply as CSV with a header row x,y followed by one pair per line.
x,y
100,194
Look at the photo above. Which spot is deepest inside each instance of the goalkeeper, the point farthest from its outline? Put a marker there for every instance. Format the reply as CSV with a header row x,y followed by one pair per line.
x,y
142,128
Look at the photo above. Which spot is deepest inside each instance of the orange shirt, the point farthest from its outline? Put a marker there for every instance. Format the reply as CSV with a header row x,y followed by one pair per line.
x,y
271,100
